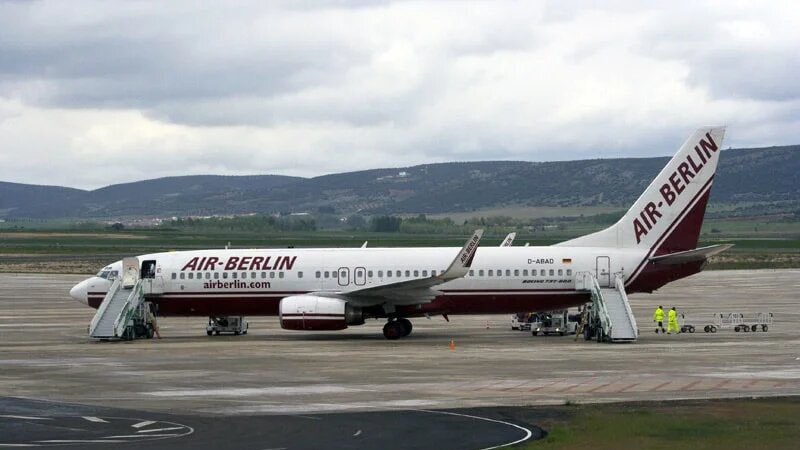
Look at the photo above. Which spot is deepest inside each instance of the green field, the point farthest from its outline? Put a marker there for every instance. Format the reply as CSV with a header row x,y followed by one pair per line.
x,y
702,425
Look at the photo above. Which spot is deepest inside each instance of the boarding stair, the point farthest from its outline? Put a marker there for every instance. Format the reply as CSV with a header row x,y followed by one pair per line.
x,y
611,318
116,312
126,313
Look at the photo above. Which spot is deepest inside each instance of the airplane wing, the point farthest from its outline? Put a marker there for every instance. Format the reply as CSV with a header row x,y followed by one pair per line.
x,y
698,254
508,240
418,290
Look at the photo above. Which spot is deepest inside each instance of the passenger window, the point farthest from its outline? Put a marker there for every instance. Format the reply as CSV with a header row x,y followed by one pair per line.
x,y
272,274
225,275
318,274
542,272
560,272
508,272
480,272
398,273
472,273
183,275
424,273
416,273
499,272
263,275
191,276
490,272
569,272
524,272
244,275
388,274
552,272
408,274
335,274
216,275
433,272
380,274
253,275
369,273
280,274
208,275
299,274
174,275
516,272
233,275
327,274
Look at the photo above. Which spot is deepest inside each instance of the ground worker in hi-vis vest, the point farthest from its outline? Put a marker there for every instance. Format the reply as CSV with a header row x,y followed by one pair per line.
x,y
673,321
658,318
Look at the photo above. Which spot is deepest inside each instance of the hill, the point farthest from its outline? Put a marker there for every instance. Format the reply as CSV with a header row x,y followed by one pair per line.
x,y
749,181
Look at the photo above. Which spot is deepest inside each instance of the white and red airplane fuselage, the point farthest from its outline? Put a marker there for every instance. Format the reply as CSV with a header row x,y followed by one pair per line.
x,y
653,244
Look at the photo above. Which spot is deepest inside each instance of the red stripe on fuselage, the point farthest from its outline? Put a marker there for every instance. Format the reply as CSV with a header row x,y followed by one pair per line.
x,y
455,303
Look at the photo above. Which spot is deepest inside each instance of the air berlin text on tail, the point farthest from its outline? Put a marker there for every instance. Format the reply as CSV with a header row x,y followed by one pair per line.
x,y
240,263
682,176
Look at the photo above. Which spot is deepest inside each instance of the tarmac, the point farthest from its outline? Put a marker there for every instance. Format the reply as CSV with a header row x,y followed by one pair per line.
x,y
416,392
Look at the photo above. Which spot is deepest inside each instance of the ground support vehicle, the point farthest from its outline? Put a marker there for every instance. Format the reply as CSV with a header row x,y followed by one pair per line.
x,y
228,324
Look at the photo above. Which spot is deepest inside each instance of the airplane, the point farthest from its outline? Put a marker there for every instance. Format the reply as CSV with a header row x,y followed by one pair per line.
x,y
654,243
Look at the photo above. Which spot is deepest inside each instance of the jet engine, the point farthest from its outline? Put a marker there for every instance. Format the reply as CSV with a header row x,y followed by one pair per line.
x,y
312,312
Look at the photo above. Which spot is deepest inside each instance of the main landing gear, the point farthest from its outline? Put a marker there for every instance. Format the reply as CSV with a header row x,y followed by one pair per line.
x,y
397,328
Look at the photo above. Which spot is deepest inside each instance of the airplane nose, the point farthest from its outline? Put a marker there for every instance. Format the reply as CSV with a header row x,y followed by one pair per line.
x,y
80,292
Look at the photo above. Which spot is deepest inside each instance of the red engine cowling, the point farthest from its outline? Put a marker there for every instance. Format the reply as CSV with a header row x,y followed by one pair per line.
x,y
311,312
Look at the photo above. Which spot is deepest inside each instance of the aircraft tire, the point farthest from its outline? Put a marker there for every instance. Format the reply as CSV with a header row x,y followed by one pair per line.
x,y
406,325
392,330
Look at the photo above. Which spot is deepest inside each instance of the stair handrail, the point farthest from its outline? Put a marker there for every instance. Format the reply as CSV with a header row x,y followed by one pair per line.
x,y
602,312
620,283
101,310
125,314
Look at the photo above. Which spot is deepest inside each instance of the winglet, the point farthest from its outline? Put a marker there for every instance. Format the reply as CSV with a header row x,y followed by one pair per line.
x,y
508,240
460,266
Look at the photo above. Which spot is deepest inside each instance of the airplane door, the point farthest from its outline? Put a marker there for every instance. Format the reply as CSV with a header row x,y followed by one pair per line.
x,y
148,269
344,276
603,271
360,276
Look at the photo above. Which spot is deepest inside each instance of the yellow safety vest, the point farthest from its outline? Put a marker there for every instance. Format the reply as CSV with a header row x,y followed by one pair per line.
x,y
658,316
673,315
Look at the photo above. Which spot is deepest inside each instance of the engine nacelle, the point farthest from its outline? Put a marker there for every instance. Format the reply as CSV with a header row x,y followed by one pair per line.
x,y
311,312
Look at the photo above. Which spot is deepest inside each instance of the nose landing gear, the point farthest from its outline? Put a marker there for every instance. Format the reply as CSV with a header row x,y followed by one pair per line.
x,y
397,328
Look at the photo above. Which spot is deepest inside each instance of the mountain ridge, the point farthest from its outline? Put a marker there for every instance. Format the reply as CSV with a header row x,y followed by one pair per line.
x,y
754,175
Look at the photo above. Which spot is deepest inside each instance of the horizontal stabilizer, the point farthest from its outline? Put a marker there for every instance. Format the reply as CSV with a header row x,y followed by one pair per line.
x,y
698,254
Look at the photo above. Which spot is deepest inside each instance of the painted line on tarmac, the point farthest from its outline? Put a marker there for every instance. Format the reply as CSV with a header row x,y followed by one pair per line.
x,y
24,417
153,430
146,423
94,419
527,432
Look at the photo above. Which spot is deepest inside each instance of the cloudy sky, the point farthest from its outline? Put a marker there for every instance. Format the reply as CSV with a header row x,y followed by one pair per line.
x,y
95,93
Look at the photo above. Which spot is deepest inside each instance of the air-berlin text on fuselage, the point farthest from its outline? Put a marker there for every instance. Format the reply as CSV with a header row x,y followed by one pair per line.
x,y
240,263
677,181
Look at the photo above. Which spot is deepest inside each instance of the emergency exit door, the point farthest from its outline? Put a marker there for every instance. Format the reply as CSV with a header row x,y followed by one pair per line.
x,y
603,271
344,276
360,276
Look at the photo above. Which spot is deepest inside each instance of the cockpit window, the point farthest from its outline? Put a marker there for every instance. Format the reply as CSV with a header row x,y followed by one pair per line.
x,y
107,274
